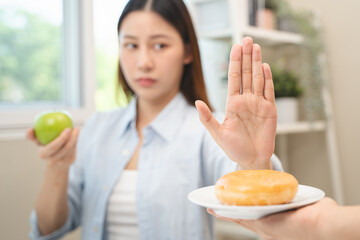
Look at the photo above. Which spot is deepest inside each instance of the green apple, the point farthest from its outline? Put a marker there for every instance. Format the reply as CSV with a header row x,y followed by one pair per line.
x,y
49,125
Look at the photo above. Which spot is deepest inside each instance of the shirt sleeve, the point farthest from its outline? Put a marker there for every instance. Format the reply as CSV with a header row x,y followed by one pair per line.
x,y
75,190
36,234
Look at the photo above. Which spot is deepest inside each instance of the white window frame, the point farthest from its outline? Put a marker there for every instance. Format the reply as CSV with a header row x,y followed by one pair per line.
x,y
79,66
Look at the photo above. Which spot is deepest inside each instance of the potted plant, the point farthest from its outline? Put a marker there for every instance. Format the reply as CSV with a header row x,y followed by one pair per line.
x,y
312,55
287,93
265,14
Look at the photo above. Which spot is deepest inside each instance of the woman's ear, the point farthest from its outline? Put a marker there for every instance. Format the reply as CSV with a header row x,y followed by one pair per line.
x,y
188,56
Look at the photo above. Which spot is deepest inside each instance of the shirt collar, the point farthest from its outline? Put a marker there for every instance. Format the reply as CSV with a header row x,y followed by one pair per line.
x,y
129,116
169,120
166,123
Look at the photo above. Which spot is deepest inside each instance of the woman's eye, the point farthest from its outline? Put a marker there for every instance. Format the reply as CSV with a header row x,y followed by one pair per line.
x,y
130,45
159,46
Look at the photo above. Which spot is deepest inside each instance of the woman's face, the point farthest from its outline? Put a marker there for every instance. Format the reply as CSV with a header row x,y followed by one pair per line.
x,y
152,56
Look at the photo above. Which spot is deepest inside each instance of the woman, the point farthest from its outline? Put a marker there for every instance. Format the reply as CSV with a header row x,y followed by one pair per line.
x,y
135,166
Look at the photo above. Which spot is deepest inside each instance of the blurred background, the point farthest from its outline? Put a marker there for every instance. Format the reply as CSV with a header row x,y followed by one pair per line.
x,y
62,54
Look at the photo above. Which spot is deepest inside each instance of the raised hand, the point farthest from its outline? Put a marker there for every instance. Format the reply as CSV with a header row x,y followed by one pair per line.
x,y
247,134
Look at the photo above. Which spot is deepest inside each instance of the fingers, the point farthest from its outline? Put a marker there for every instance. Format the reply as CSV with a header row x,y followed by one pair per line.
x,y
211,211
68,148
249,224
247,73
257,71
207,119
50,149
234,73
247,46
30,134
269,93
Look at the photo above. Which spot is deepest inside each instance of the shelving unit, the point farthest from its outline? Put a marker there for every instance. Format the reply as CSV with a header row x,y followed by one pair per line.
x,y
300,127
224,22
266,37
272,37
238,27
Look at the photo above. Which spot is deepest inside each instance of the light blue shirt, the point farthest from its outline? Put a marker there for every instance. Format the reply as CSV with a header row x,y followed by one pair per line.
x,y
177,156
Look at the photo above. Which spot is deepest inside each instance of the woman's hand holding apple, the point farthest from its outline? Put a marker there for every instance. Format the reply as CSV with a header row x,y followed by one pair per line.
x,y
61,151
53,132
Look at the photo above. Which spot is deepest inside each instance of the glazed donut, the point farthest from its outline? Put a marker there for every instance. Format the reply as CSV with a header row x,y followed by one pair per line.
x,y
256,187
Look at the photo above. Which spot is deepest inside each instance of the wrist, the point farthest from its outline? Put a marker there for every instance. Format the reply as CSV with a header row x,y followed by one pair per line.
x,y
57,166
56,174
257,164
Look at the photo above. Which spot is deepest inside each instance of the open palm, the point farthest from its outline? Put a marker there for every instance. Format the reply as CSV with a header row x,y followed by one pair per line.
x,y
247,134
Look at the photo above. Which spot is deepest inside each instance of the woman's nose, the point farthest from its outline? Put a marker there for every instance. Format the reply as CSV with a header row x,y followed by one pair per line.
x,y
145,61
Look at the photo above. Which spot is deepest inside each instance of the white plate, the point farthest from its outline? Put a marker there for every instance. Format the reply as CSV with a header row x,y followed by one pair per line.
x,y
205,197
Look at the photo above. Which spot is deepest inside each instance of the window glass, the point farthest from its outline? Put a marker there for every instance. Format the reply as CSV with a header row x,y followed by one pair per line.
x,y
106,15
31,52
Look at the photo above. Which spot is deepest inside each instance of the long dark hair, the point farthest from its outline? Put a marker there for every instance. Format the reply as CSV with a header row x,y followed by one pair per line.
x,y
175,12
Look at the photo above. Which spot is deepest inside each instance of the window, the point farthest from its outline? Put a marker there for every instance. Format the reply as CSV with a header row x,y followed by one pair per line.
x,y
30,37
106,16
46,61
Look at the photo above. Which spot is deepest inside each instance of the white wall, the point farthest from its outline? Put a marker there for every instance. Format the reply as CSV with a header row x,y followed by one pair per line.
x,y
21,173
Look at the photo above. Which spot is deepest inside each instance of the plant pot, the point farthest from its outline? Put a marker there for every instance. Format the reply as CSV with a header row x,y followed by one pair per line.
x,y
287,109
265,18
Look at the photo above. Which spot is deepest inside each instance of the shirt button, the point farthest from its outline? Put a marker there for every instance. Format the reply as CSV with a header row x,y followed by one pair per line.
x,y
95,229
105,188
125,152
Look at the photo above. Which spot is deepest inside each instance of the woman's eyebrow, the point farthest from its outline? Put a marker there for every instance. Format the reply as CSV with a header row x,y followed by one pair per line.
x,y
127,36
160,36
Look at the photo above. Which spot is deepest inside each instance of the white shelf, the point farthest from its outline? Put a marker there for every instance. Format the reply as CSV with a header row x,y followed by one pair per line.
x,y
272,37
300,127
261,36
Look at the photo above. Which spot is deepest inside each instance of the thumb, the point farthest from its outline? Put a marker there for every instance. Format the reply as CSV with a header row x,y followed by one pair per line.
x,y
30,134
207,119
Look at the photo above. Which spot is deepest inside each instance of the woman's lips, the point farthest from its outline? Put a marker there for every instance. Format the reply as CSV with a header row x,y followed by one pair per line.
x,y
146,82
